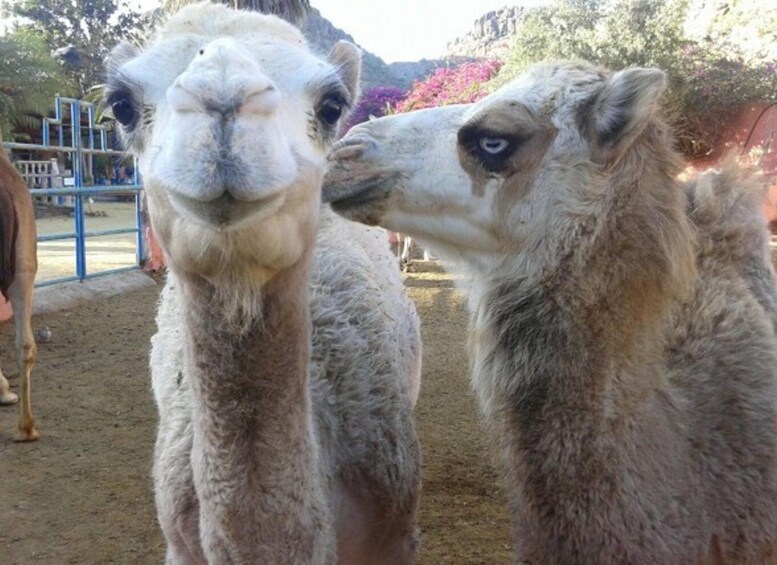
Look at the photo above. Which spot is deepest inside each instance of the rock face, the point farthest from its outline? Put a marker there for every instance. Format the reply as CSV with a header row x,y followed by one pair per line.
x,y
490,36
322,35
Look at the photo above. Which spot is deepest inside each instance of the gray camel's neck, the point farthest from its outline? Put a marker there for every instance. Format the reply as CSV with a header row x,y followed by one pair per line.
x,y
570,364
255,459
577,327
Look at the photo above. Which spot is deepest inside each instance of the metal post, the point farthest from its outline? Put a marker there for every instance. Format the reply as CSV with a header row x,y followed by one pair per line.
x,y
75,114
58,116
77,151
139,223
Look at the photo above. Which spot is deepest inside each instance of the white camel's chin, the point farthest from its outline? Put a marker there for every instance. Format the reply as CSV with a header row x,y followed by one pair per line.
x,y
226,212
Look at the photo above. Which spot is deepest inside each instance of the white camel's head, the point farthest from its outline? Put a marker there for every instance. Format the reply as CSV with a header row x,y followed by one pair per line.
x,y
478,181
231,116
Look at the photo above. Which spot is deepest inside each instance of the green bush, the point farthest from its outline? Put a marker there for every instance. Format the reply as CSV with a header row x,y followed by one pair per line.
x,y
29,80
709,79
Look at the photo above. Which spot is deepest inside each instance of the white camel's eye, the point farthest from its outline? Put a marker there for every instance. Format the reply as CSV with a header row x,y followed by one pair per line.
x,y
332,108
493,145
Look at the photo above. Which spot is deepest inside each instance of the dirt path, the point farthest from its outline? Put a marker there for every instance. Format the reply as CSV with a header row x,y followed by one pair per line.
x,y
82,494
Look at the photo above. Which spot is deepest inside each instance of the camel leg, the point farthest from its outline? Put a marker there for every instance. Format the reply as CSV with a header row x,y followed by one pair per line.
x,y
366,535
6,396
20,294
407,253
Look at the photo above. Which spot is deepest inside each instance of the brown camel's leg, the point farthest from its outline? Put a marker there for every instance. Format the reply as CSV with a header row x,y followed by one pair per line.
x,y
6,396
20,294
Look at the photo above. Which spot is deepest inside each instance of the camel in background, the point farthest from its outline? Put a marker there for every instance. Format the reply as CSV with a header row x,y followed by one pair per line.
x,y
18,266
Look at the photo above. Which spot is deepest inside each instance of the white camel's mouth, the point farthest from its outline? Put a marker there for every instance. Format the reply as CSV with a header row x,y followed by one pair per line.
x,y
224,211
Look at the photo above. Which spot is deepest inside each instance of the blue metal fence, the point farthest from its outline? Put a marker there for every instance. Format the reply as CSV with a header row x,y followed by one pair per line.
x,y
85,142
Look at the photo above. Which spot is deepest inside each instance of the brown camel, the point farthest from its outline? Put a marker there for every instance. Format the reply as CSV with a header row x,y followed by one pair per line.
x,y
18,265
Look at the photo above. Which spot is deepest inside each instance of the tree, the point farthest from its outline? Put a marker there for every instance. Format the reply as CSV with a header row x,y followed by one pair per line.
x,y
291,10
84,30
29,80
708,79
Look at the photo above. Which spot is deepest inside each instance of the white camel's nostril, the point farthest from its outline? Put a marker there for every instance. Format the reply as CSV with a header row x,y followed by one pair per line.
x,y
262,102
181,99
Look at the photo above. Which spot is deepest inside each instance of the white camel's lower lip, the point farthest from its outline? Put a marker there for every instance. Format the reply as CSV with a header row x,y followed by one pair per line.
x,y
224,211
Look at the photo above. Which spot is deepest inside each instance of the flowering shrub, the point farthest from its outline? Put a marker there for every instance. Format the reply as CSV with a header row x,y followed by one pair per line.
x,y
377,102
711,82
458,85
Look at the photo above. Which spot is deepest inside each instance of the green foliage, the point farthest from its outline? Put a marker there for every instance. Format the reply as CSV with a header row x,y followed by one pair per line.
x,y
564,30
713,82
629,32
91,27
29,80
707,82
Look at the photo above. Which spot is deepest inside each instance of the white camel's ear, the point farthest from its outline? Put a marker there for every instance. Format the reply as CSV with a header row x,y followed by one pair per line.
x,y
119,55
622,110
348,59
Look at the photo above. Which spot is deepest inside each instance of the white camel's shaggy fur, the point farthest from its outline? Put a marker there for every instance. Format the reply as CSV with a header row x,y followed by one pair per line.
x,y
364,381
287,360
623,327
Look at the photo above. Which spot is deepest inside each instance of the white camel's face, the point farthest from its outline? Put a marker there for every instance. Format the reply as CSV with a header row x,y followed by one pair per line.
x,y
231,117
477,182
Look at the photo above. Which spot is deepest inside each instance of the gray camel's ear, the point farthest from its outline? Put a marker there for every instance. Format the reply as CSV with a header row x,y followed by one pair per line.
x,y
348,60
119,55
622,109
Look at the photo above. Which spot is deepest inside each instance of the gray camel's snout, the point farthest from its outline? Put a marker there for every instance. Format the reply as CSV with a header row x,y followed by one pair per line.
x,y
353,147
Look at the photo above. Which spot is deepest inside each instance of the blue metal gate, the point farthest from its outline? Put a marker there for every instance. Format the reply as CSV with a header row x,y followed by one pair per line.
x,y
78,139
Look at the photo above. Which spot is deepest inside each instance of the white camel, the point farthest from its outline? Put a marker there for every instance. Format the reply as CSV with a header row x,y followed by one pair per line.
x,y
623,326
269,449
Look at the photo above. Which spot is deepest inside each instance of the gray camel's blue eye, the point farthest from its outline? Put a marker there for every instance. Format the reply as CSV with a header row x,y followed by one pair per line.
x,y
493,145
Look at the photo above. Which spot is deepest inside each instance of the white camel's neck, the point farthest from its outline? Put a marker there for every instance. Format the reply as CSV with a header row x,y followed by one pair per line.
x,y
254,455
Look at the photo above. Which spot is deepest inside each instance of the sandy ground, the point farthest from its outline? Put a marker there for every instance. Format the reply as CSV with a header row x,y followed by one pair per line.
x,y
82,494
57,258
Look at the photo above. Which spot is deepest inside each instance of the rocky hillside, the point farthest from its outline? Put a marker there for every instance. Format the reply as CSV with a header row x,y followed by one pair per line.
x,y
490,35
322,34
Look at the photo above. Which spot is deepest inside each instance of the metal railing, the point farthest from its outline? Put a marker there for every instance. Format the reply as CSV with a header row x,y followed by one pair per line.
x,y
85,143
